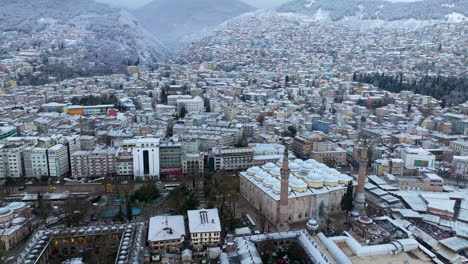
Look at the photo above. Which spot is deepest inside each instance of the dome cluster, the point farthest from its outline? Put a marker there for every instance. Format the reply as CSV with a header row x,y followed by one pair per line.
x,y
303,174
9,213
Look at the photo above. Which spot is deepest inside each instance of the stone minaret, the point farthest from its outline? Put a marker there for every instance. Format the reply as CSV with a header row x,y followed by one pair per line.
x,y
283,216
360,198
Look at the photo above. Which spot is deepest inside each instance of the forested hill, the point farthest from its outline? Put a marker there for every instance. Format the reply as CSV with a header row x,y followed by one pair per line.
x,y
451,90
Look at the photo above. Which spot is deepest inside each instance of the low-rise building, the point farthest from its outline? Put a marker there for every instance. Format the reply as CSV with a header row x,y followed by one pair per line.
x,y
459,147
166,234
417,158
58,161
204,227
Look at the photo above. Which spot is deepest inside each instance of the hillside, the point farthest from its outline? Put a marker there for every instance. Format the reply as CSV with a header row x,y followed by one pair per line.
x,y
84,37
389,10
177,23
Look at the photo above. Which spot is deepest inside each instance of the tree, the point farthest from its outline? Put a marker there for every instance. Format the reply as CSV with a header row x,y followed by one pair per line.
x,y
321,210
182,199
43,207
182,112
9,184
242,142
347,201
292,131
146,194
129,211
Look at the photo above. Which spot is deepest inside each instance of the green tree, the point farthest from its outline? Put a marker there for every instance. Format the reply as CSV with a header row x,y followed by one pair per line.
x,y
129,210
182,112
321,210
242,142
292,130
146,193
347,201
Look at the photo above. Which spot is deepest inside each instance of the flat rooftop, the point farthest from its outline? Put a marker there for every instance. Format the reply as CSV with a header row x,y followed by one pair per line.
x,y
411,257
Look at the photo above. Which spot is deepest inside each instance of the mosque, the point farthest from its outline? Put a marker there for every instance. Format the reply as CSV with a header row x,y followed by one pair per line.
x,y
292,191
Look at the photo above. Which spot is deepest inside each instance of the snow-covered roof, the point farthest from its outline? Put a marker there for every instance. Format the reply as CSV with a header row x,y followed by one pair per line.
x,y
455,243
163,228
204,221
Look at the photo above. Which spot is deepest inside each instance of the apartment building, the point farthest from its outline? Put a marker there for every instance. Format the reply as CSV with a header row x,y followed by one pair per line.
x,y
231,159
58,161
94,164
193,164
11,161
35,162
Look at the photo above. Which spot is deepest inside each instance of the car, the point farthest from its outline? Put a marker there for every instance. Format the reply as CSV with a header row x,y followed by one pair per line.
x,y
51,187
21,188
29,182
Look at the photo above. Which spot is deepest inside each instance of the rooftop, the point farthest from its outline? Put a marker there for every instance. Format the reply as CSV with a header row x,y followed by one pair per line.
x,y
163,228
204,220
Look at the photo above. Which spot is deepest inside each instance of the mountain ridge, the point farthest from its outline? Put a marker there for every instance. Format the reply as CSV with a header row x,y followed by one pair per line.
x,y
378,9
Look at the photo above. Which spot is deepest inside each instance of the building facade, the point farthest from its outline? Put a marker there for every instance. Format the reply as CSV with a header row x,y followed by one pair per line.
x,y
231,159
166,234
58,161
417,158
311,185
145,152
193,164
204,227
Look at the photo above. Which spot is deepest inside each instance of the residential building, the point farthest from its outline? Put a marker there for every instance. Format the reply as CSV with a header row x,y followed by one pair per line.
x,y
11,161
460,147
192,105
35,162
460,166
204,227
328,153
166,234
124,163
94,164
231,159
193,164
303,145
58,161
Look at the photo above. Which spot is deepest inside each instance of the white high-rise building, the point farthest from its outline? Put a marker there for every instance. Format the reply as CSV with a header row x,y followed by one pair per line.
x,y
58,160
145,152
35,162
11,164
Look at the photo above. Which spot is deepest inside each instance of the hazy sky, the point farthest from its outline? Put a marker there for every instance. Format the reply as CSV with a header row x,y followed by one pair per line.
x,y
139,3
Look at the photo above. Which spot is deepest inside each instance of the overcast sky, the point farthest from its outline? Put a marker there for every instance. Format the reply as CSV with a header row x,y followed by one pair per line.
x,y
139,3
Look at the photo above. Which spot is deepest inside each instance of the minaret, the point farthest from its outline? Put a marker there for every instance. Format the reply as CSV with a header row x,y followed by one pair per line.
x,y
283,216
360,198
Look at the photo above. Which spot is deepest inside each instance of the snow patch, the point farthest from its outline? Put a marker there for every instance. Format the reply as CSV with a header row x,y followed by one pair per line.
x,y
455,17
404,1
309,3
448,5
321,15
